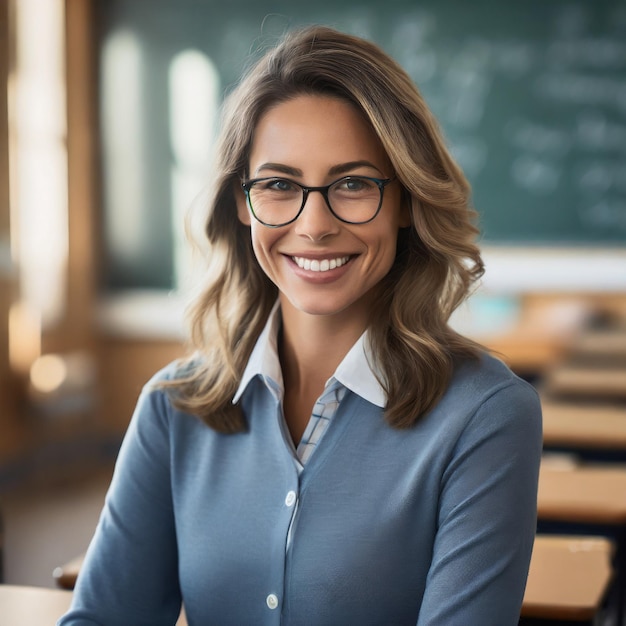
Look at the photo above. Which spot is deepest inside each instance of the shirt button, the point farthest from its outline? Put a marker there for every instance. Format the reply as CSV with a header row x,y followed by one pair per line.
x,y
272,601
291,498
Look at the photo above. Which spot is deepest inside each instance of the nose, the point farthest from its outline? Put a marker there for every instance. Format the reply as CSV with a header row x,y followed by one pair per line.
x,y
316,222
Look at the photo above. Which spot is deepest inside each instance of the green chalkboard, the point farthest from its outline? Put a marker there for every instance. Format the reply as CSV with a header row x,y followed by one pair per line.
x,y
531,95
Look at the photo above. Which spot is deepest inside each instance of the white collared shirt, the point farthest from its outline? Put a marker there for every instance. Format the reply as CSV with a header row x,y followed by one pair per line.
x,y
355,373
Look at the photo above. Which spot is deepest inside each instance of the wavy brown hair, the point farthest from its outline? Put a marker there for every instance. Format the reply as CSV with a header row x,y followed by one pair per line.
x,y
436,262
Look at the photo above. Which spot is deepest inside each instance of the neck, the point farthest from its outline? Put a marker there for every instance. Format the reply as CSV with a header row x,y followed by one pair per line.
x,y
310,349
312,346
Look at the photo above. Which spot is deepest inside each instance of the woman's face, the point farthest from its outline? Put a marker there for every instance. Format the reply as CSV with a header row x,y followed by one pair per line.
x,y
321,265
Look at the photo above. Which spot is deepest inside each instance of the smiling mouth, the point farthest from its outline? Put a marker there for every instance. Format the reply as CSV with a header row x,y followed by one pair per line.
x,y
321,265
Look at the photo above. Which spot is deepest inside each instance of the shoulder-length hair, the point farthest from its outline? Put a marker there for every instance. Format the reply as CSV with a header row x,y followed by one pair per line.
x,y
436,262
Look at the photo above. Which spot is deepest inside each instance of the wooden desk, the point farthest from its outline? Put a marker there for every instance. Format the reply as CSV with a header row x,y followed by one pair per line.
x,y
584,426
526,352
586,382
540,333
608,344
569,578
587,494
26,606
587,500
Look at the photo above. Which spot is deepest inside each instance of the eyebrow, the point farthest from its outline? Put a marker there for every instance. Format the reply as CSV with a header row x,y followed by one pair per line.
x,y
342,168
278,167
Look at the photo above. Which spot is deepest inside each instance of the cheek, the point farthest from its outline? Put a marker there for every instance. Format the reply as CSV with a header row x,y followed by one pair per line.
x,y
390,258
385,255
387,244
257,247
263,240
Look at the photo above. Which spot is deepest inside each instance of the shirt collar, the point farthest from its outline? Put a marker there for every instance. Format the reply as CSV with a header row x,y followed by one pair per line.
x,y
356,371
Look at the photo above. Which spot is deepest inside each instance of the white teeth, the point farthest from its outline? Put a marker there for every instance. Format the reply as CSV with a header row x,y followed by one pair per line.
x,y
324,265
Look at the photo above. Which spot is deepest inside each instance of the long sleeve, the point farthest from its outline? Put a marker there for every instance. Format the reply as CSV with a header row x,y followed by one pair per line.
x,y
130,572
487,516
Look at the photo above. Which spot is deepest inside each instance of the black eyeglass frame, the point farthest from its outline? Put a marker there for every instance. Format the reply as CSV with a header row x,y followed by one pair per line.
x,y
381,183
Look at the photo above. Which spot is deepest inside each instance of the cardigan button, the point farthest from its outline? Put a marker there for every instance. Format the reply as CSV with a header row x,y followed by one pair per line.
x,y
272,601
291,498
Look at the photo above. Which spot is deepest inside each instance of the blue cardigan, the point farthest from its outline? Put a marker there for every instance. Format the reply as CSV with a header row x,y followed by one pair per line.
x,y
431,525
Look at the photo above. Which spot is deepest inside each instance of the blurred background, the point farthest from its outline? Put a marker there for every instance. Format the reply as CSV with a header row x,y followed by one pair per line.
x,y
108,113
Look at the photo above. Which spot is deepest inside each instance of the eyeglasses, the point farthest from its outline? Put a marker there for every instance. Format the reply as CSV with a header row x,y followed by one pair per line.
x,y
277,202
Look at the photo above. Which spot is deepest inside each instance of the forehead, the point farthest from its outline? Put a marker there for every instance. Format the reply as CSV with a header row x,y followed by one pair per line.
x,y
310,129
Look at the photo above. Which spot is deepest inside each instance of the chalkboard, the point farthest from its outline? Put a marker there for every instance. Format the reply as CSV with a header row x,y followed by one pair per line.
x,y
531,94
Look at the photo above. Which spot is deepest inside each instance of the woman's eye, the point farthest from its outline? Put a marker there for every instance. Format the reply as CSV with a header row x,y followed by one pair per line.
x,y
354,184
279,184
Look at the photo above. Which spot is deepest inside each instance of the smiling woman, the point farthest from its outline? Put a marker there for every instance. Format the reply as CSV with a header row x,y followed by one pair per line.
x,y
331,450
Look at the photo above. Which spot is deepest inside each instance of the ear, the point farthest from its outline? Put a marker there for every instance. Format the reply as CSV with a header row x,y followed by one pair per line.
x,y
243,213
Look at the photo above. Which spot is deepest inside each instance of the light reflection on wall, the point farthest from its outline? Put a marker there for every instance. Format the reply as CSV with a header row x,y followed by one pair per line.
x,y
122,113
38,161
194,100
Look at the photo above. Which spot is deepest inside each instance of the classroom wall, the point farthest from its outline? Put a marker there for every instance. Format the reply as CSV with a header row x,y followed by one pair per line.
x,y
539,323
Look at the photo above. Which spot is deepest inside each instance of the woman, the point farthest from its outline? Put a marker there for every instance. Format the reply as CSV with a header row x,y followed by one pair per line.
x,y
333,453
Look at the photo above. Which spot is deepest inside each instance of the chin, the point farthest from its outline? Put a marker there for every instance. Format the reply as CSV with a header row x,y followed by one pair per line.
x,y
324,306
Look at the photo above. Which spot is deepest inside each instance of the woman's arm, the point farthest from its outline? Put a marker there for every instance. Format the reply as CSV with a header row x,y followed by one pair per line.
x,y
129,575
487,515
